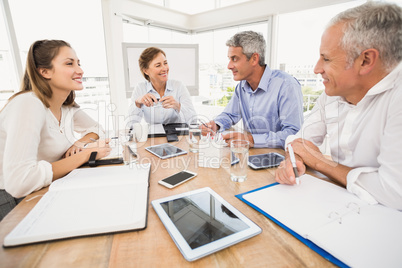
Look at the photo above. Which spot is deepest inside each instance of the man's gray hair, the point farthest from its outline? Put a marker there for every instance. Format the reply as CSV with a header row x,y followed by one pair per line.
x,y
251,42
372,25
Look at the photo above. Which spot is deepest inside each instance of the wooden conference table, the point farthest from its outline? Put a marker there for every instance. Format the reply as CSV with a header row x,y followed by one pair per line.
x,y
153,247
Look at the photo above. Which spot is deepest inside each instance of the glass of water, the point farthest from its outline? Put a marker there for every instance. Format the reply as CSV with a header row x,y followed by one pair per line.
x,y
194,137
129,146
239,149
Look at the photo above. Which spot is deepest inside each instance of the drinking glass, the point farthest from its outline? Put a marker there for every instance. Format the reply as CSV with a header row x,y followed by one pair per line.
x,y
194,137
239,149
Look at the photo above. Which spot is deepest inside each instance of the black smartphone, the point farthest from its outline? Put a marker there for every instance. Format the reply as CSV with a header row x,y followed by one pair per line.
x,y
177,179
172,137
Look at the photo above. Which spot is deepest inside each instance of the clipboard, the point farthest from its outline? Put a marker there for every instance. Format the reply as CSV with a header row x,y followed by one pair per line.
x,y
333,222
326,255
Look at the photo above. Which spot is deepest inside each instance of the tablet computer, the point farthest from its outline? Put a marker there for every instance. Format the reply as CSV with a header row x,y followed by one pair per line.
x,y
268,160
201,222
165,150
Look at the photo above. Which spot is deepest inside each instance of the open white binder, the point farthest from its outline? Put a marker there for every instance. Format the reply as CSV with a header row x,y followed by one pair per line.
x,y
87,202
331,220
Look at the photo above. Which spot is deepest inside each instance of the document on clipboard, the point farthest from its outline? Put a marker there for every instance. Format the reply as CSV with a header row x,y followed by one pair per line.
x,y
333,222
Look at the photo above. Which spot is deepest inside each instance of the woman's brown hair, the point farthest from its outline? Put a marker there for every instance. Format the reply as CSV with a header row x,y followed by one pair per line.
x,y
146,57
40,55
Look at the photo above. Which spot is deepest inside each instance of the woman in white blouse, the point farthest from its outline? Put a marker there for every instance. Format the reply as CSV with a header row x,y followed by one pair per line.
x,y
37,144
159,100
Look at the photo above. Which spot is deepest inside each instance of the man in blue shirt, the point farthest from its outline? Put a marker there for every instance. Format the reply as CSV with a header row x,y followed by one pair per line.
x,y
270,102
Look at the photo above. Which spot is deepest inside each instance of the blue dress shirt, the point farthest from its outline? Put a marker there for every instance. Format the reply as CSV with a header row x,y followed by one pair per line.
x,y
270,113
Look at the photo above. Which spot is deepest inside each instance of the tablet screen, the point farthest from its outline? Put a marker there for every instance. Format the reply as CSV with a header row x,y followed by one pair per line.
x,y
201,218
165,150
265,160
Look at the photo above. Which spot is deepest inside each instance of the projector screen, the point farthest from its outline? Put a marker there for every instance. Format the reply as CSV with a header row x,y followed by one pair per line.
x,y
182,60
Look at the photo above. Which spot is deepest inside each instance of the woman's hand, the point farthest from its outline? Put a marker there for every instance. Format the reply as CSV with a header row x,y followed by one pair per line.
x,y
100,146
170,102
75,148
147,100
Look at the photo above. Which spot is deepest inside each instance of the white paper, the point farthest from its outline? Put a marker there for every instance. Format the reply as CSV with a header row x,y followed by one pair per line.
x,y
87,201
156,129
359,234
102,176
116,152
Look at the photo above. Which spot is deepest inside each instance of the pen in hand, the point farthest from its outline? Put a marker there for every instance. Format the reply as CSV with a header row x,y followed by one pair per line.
x,y
205,125
293,160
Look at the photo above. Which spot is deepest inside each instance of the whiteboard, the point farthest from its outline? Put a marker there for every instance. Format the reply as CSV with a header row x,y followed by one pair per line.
x,y
182,60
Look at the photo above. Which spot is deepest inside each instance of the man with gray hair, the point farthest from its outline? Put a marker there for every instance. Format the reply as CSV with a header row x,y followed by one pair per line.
x,y
360,111
269,101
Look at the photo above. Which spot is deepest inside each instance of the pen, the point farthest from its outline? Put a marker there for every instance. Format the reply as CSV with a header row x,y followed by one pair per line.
x,y
208,128
293,160
131,151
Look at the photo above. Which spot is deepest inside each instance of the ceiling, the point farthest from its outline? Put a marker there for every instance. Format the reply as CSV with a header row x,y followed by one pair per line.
x,y
220,13
192,7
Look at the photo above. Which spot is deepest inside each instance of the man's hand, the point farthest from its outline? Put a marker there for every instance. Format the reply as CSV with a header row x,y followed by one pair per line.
x,y
238,136
285,174
312,157
210,127
308,152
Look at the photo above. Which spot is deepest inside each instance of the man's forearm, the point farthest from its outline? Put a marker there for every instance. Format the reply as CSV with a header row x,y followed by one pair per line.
x,y
332,170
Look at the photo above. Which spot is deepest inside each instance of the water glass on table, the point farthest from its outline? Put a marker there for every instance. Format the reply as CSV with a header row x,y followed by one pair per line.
x,y
129,146
194,137
239,149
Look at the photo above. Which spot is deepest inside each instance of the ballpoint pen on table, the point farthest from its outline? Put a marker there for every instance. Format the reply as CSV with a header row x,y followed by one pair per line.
x,y
293,160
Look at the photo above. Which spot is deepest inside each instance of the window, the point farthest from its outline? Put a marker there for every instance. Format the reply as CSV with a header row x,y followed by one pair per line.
x,y
77,22
299,38
8,77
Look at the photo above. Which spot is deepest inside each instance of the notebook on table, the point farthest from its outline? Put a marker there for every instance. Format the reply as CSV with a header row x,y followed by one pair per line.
x,y
333,222
87,201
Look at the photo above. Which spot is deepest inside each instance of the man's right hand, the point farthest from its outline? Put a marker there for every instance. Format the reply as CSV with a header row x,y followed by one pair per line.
x,y
210,127
284,173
